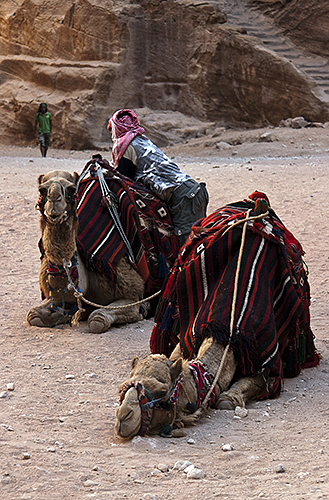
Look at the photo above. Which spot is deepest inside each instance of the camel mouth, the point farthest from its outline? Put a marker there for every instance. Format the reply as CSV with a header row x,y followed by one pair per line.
x,y
55,218
127,429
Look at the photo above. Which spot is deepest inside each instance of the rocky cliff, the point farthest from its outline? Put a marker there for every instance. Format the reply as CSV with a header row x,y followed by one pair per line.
x,y
87,58
306,22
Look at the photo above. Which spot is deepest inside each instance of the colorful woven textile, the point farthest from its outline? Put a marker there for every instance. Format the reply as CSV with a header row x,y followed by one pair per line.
x,y
143,400
145,219
203,380
123,130
271,321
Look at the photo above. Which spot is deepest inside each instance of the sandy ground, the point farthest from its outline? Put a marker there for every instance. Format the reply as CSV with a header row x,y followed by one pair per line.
x,y
56,434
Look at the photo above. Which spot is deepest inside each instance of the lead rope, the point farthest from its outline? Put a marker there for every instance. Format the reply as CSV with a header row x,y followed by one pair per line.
x,y
235,294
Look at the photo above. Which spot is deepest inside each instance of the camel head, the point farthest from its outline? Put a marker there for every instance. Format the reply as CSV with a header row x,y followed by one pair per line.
x,y
143,397
57,195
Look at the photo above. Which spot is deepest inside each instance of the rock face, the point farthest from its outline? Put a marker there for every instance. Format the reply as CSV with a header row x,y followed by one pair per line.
x,y
88,58
306,22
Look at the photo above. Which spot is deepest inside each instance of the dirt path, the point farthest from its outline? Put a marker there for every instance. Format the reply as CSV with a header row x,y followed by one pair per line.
x,y
56,432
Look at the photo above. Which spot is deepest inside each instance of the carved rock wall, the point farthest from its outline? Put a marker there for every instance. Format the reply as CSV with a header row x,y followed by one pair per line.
x,y
87,58
307,22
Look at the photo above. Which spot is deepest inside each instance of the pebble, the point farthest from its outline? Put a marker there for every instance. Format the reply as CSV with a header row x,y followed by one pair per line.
x,y
227,447
89,483
188,469
3,395
11,386
7,427
69,377
196,473
178,464
25,455
62,419
138,481
97,468
155,472
149,496
280,468
241,412
184,465
92,375
51,450
191,441
163,467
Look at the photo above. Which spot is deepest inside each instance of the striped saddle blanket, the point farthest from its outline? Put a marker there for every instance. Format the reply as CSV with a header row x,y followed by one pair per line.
x,y
144,218
271,324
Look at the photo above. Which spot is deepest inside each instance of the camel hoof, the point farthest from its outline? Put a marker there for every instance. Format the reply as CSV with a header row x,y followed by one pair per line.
x,y
178,433
35,321
99,323
225,404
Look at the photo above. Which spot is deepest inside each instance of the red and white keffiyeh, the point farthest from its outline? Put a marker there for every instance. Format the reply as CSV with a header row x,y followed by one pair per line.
x,y
124,126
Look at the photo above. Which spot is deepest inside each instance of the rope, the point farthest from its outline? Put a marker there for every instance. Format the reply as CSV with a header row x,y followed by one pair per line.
x,y
235,294
142,301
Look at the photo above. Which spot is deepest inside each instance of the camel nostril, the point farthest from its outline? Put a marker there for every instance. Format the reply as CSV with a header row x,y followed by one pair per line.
x,y
126,417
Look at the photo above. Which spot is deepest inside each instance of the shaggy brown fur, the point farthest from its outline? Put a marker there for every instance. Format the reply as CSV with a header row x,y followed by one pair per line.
x,y
59,228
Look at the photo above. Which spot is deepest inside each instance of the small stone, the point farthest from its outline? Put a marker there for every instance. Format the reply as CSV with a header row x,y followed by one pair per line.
x,y
92,375
163,467
280,468
184,465
51,450
227,447
69,376
149,496
188,469
11,386
25,455
196,474
62,419
261,495
191,441
178,464
241,412
155,472
3,395
89,483
96,468
138,481
223,145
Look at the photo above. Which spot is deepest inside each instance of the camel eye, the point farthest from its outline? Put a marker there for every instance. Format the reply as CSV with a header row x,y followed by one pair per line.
x,y
162,393
43,192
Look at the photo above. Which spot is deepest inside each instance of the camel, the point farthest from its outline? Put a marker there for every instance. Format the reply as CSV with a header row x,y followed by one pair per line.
x,y
63,272
160,378
232,321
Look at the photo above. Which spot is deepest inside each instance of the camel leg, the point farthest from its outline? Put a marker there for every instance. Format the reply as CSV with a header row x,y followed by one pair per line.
x,y
101,320
44,316
243,390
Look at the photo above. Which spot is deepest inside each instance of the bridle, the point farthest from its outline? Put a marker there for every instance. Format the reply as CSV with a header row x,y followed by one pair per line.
x,y
71,199
147,402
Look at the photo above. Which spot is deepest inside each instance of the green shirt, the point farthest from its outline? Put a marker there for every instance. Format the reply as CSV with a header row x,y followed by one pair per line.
x,y
44,122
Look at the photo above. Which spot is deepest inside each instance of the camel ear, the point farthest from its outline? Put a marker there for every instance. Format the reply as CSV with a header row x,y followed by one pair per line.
x,y
75,177
40,178
176,369
134,362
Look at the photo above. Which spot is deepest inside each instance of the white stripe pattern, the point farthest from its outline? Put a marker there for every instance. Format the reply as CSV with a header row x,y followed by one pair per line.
x,y
251,279
85,193
281,293
102,243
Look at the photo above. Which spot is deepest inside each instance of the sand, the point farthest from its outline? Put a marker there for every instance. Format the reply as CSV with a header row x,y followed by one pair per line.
x,y
57,434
